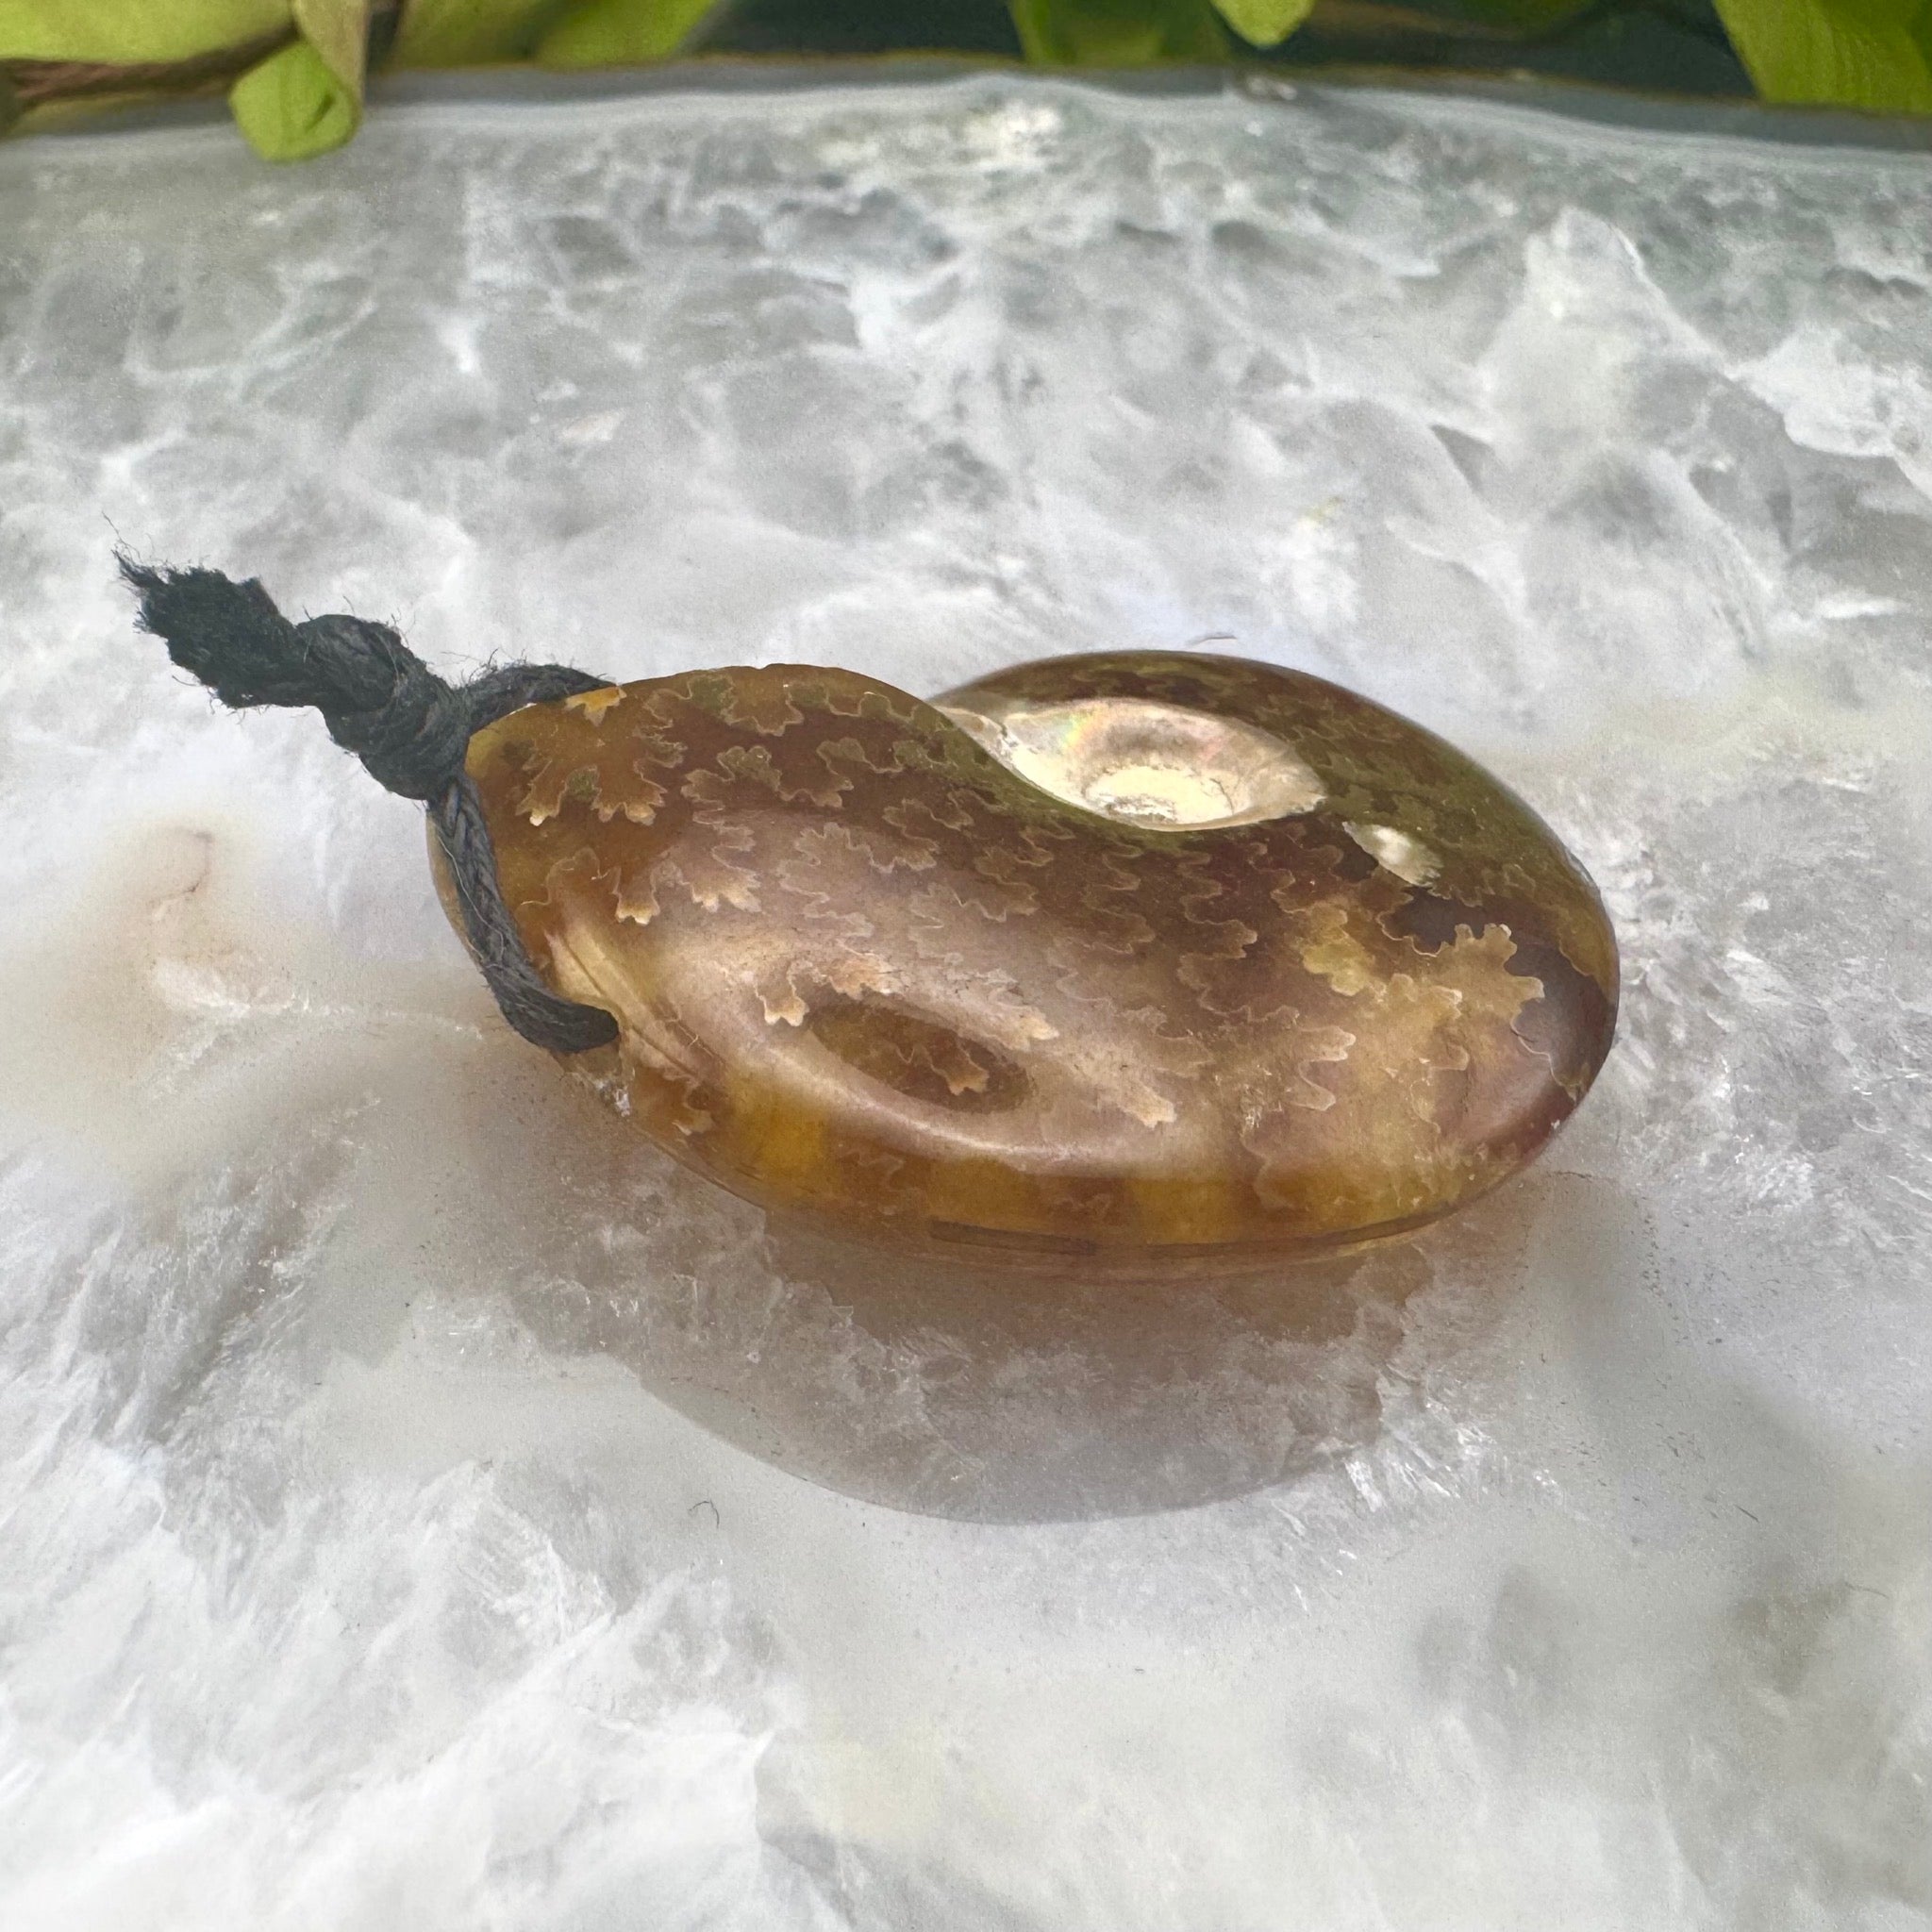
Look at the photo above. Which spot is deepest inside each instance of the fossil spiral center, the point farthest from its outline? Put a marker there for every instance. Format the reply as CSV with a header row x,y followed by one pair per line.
x,y
1148,763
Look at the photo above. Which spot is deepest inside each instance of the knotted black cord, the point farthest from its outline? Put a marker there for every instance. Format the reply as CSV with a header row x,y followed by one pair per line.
x,y
410,728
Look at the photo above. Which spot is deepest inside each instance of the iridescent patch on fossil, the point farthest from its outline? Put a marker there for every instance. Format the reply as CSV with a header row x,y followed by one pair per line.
x,y
1125,964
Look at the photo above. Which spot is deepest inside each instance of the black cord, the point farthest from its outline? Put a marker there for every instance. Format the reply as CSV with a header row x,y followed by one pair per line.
x,y
410,728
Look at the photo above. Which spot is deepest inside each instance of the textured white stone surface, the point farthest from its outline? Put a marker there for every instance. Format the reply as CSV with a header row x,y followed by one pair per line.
x,y
421,1506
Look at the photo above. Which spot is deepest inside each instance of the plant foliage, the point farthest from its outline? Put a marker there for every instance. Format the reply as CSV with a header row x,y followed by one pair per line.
x,y
294,70
1873,54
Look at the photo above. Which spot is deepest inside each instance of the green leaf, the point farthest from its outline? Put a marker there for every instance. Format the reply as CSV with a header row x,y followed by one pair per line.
x,y
1263,23
1870,54
619,33
123,31
470,33
339,32
291,106
1117,33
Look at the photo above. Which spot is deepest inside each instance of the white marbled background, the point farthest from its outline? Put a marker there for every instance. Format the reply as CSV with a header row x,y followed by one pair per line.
x,y
419,1507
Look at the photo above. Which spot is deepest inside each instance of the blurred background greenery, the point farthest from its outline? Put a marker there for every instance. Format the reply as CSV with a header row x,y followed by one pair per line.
x,y
295,71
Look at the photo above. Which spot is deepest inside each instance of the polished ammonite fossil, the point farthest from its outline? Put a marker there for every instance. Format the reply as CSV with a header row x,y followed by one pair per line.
x,y
1135,962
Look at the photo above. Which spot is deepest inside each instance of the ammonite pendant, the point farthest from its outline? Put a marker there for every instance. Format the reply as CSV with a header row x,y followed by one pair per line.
x,y
1123,964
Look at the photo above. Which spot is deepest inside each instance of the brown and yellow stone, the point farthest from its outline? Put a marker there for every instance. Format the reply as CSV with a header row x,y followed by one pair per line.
x,y
1123,964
